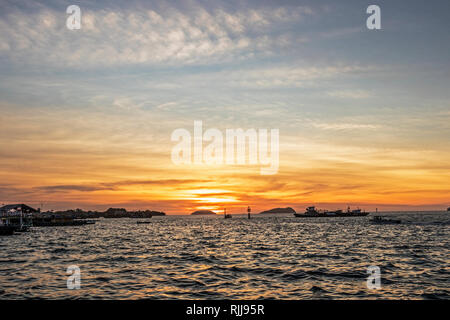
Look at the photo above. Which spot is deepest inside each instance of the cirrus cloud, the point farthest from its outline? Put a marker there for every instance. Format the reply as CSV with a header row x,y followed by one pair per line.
x,y
108,37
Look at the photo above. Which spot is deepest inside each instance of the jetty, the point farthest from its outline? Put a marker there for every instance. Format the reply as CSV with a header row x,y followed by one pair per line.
x,y
21,217
59,221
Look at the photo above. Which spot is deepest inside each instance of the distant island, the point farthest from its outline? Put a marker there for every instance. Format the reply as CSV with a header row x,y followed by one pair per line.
x,y
202,213
278,210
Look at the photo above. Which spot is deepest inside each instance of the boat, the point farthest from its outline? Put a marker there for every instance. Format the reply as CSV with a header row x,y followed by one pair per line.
x,y
17,216
143,222
312,212
448,209
225,215
6,230
383,220
22,228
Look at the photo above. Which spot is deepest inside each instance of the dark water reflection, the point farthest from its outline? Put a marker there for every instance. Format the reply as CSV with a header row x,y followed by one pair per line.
x,y
279,257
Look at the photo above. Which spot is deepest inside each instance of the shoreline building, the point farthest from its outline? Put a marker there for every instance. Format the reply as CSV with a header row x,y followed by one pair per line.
x,y
19,216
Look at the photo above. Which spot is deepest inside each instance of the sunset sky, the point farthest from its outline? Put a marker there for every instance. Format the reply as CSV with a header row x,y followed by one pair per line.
x,y
87,115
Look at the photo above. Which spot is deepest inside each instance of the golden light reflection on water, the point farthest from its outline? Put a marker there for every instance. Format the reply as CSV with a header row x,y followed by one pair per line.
x,y
279,257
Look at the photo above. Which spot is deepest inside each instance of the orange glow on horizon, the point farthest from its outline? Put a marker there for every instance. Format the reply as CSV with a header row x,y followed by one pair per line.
x,y
73,174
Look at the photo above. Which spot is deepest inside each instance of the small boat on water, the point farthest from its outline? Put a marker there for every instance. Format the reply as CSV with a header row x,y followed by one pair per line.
x,y
143,222
22,228
383,220
311,212
6,230
225,215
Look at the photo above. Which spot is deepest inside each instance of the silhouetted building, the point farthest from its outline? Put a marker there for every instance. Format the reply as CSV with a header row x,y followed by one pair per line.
x,y
13,208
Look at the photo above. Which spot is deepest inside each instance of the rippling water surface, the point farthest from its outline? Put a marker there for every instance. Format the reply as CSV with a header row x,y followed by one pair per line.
x,y
272,257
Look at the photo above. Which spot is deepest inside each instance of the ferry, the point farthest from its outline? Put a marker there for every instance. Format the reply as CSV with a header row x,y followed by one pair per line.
x,y
312,212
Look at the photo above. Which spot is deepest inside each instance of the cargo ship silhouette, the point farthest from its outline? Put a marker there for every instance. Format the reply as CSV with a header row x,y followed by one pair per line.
x,y
311,212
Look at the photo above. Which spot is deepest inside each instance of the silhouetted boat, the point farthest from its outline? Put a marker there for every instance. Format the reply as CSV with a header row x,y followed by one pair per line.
x,y
448,209
383,220
143,222
311,212
21,228
225,215
6,230
17,216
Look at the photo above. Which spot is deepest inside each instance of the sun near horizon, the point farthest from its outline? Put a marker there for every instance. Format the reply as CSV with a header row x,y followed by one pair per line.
x,y
86,118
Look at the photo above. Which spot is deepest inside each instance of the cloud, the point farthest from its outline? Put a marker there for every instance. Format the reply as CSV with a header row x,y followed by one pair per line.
x,y
116,185
166,105
292,76
159,182
350,94
344,126
67,188
129,36
124,103
275,77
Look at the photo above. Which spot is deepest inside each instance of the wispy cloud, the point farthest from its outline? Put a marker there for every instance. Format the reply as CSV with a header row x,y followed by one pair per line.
x,y
344,126
110,37
350,94
87,114
117,185
274,77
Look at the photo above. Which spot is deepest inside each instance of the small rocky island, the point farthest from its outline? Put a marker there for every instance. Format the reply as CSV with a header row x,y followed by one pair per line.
x,y
202,213
278,211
